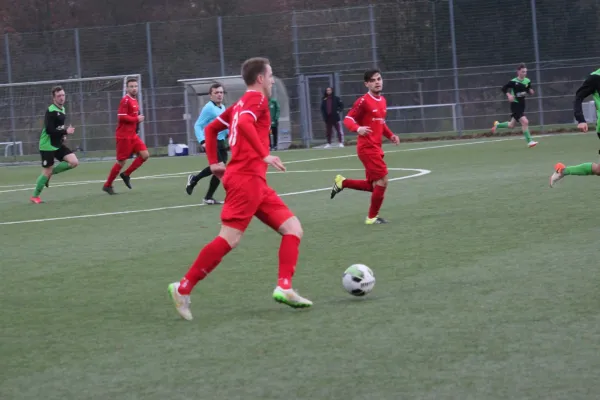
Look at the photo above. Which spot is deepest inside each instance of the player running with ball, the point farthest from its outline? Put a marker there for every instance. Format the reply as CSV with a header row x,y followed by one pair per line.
x,y
367,118
247,193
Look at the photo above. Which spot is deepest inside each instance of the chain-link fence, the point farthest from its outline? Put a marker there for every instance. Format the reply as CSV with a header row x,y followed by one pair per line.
x,y
457,53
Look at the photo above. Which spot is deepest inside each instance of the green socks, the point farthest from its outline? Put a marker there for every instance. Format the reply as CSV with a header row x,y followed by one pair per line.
x,y
502,125
581,169
39,186
61,167
527,135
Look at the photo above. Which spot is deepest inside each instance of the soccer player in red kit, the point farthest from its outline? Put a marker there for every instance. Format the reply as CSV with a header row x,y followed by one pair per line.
x,y
247,193
128,141
367,118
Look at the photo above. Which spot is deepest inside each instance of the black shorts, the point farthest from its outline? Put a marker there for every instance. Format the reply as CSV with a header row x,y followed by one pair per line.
x,y
517,110
49,156
222,151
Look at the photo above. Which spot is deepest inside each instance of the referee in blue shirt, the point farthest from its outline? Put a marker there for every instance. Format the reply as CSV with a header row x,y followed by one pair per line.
x,y
211,111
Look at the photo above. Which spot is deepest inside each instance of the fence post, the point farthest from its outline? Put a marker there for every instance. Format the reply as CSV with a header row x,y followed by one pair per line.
x,y
295,42
373,35
221,51
13,123
455,67
151,77
538,73
81,106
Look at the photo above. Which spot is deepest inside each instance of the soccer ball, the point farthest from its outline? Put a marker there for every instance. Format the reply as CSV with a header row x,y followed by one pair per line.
x,y
358,280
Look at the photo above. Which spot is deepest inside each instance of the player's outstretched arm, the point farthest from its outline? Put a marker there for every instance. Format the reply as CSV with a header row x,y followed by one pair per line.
x,y
589,86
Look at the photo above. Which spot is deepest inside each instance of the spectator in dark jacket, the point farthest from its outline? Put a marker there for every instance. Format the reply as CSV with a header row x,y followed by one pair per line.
x,y
331,107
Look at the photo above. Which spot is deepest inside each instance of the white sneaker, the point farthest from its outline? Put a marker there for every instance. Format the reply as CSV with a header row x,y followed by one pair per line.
x,y
182,302
531,144
291,298
327,146
341,145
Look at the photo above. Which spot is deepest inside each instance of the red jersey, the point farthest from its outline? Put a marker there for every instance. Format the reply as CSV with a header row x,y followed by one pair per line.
x,y
127,117
369,111
249,123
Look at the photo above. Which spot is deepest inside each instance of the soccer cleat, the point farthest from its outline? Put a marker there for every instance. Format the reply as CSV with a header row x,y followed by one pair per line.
x,y
210,202
290,298
126,179
108,189
338,185
35,200
494,127
558,174
182,302
191,184
376,220
532,144
327,146
341,145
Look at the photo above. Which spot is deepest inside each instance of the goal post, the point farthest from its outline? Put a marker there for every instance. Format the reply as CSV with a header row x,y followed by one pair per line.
x,y
426,118
91,107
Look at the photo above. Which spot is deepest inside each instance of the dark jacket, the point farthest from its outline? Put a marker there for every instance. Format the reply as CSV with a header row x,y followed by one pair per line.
x,y
336,108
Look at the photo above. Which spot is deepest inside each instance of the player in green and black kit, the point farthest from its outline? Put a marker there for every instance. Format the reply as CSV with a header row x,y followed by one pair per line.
x,y
51,143
590,87
515,91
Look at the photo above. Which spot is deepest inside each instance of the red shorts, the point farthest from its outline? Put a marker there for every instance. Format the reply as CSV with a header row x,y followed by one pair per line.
x,y
375,167
128,146
249,196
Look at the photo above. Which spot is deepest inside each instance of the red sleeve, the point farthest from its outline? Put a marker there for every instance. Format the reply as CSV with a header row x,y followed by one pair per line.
x,y
212,131
387,132
354,115
123,113
247,129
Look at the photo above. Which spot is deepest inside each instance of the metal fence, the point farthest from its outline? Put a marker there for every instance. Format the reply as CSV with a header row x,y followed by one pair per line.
x,y
432,52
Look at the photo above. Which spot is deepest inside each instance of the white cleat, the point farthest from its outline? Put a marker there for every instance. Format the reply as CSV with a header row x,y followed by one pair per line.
x,y
182,302
291,298
327,146
558,174
341,145
532,144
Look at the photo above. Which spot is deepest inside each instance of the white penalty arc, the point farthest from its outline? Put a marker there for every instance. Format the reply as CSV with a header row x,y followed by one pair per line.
x,y
418,172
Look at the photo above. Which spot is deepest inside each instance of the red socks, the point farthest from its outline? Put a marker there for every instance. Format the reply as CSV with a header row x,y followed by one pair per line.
x,y
212,254
134,165
208,259
376,200
113,175
288,258
357,184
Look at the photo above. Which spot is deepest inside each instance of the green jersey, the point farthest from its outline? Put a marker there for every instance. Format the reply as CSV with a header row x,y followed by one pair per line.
x,y
54,130
518,88
590,87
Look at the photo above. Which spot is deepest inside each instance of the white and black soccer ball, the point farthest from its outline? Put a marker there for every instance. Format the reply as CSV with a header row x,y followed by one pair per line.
x,y
358,280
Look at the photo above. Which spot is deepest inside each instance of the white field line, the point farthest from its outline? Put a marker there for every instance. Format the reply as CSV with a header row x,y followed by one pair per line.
x,y
419,172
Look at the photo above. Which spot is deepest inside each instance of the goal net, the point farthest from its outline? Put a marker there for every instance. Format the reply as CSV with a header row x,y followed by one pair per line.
x,y
91,107
427,118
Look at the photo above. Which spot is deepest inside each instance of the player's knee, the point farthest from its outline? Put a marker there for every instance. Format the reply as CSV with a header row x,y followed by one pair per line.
x,y
144,155
596,169
524,122
121,163
511,124
381,182
231,235
73,163
292,227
